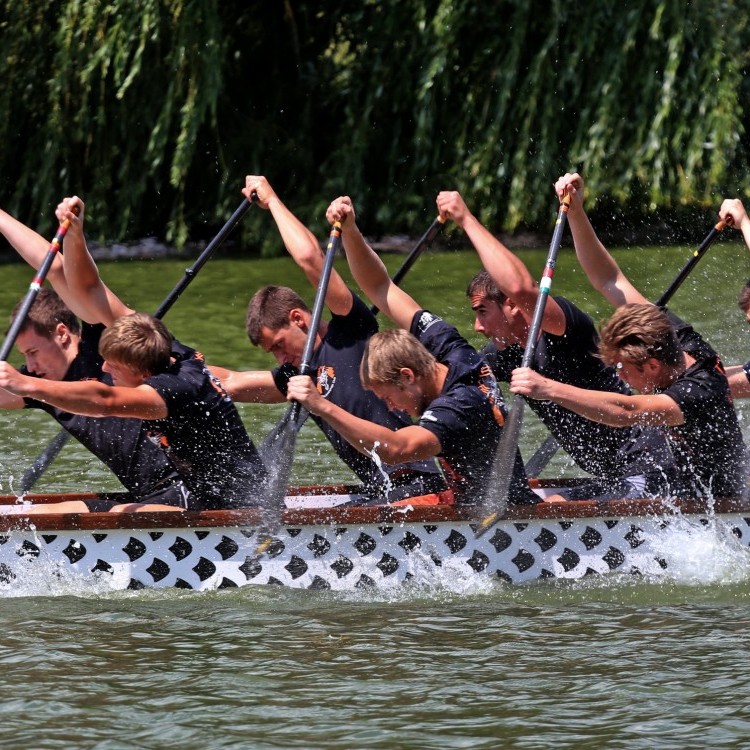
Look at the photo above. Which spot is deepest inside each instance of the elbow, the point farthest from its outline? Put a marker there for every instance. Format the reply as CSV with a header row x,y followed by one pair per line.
x,y
309,258
623,415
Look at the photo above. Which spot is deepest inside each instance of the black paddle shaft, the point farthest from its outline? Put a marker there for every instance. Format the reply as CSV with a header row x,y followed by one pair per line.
x,y
498,489
424,241
334,243
34,287
202,259
702,249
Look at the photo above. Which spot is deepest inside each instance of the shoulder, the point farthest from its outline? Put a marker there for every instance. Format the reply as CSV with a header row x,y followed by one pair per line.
x,y
577,322
359,322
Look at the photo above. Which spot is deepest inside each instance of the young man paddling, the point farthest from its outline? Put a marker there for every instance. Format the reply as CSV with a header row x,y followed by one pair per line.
x,y
739,375
628,462
278,321
681,382
156,379
430,372
56,346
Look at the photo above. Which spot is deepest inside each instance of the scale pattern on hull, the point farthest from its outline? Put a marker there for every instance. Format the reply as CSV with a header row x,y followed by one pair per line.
x,y
349,557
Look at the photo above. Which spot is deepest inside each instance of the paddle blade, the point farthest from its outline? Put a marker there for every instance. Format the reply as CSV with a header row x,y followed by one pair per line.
x,y
271,443
498,487
277,453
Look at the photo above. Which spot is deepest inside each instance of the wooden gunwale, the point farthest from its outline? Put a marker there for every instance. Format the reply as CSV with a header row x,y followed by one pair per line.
x,y
341,516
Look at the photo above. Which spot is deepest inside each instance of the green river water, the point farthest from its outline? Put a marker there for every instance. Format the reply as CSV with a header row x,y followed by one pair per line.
x,y
602,663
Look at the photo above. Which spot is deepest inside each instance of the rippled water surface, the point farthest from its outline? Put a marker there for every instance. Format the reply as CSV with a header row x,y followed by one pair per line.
x,y
618,663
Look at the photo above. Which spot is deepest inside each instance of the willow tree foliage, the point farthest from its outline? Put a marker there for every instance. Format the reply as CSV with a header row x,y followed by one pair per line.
x,y
154,110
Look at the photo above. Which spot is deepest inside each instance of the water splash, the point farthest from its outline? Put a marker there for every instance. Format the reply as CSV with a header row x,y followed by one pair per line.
x,y
388,485
700,551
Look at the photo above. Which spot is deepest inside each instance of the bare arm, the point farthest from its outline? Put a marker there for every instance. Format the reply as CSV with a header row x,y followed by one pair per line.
x,y
600,267
254,386
87,397
33,248
614,409
738,382
505,269
411,443
94,301
732,208
301,244
367,268
9,400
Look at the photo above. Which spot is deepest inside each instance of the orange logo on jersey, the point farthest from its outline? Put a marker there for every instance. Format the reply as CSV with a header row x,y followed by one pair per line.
x,y
488,385
326,380
158,439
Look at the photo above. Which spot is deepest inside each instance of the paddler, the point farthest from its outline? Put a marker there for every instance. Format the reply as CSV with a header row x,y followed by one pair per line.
x,y
681,381
628,462
427,370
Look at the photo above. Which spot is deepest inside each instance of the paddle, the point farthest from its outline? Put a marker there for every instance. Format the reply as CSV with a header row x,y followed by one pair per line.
x,y
280,466
425,240
709,239
543,455
267,446
496,497
34,287
690,265
48,455
12,335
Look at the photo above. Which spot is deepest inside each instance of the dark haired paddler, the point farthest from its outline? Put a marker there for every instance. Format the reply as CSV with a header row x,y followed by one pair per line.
x,y
627,462
681,382
278,321
56,346
184,409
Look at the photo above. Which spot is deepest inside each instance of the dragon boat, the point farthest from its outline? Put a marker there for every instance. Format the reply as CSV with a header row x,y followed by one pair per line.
x,y
325,542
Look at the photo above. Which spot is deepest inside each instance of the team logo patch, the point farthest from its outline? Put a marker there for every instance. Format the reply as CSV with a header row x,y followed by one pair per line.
x,y
425,320
326,380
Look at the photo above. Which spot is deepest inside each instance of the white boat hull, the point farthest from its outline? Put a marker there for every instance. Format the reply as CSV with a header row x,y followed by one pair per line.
x,y
341,549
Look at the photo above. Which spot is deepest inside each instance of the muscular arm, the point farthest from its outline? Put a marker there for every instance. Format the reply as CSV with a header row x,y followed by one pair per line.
x,y
738,382
301,244
411,443
368,270
599,266
87,397
505,269
614,409
254,386
33,248
94,301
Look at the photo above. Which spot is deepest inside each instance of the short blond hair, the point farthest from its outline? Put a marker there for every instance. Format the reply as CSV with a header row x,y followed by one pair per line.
x,y
388,352
638,332
139,341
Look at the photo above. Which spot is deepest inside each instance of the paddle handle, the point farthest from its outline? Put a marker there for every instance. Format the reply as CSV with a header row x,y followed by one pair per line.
x,y
202,259
34,287
701,250
334,245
